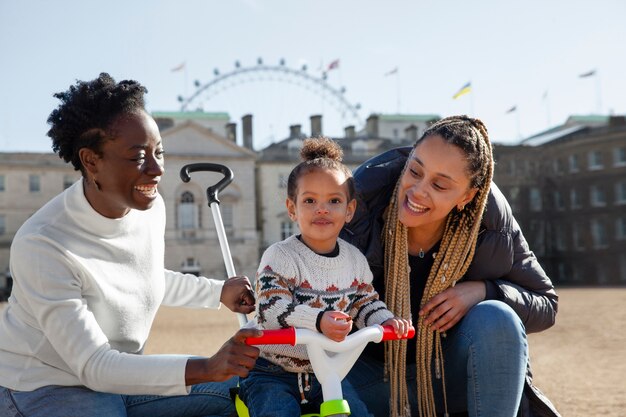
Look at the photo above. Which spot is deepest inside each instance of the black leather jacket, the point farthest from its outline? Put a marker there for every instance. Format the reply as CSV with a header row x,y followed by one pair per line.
x,y
502,258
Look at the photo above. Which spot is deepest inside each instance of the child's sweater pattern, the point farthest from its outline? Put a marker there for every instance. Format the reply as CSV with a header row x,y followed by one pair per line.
x,y
294,284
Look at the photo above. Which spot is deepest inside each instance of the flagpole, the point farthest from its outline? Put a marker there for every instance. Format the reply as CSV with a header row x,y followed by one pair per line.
x,y
598,93
398,91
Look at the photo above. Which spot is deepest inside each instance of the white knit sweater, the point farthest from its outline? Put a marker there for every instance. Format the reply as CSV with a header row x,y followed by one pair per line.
x,y
294,284
85,292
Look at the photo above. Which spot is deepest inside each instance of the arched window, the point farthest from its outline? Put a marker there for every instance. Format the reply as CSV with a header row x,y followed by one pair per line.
x,y
187,212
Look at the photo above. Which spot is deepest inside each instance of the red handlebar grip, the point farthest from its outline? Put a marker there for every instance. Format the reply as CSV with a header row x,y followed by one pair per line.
x,y
390,334
274,337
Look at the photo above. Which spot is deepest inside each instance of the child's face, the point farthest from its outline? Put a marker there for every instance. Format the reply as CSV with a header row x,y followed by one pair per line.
x,y
321,208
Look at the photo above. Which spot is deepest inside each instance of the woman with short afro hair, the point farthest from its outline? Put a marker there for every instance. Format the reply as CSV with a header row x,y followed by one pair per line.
x,y
88,277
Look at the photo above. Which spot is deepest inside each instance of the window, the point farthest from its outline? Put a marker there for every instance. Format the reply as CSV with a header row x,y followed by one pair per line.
x,y
595,160
537,231
559,204
187,212
286,229
557,166
226,210
573,163
190,266
3,228
575,199
2,183
68,180
598,196
34,183
577,237
619,157
620,192
620,228
598,234
559,243
535,199
282,180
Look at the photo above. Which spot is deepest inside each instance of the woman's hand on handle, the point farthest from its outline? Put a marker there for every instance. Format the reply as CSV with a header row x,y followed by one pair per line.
x,y
237,295
234,358
446,309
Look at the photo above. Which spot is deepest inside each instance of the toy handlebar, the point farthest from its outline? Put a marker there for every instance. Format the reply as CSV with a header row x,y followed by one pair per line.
x,y
289,335
213,190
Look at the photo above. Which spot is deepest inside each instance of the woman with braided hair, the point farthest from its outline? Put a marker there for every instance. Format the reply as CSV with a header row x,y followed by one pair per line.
x,y
445,250
89,277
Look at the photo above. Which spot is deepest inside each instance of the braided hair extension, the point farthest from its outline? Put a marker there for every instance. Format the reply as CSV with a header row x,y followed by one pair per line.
x,y
319,153
86,113
455,255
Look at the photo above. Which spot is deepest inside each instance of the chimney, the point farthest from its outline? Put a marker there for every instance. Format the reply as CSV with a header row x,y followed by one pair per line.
x,y
231,132
371,126
349,132
295,131
411,133
246,126
316,125
615,121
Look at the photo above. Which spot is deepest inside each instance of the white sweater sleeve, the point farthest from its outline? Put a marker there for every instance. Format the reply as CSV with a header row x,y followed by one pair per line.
x,y
76,341
188,290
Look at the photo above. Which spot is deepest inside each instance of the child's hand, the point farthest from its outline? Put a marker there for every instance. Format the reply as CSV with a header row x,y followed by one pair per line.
x,y
400,325
336,325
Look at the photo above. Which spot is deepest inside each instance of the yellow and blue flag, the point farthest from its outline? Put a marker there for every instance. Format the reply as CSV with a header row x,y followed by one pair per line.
x,y
467,88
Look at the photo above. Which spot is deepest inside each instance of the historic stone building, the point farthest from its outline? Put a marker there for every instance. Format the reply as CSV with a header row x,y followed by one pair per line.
x,y
567,188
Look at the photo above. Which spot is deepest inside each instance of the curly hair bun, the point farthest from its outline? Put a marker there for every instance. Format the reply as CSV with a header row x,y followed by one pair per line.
x,y
322,147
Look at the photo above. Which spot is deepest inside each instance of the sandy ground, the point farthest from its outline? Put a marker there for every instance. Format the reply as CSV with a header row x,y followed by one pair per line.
x,y
580,363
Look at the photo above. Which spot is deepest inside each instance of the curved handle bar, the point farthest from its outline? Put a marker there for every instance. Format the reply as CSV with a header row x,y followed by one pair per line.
x,y
289,336
213,190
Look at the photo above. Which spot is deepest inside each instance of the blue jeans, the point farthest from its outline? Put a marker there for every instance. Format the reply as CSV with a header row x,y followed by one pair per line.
x,y
485,357
269,391
205,400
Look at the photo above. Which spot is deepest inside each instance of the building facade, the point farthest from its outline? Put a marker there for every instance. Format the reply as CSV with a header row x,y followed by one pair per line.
x,y
567,188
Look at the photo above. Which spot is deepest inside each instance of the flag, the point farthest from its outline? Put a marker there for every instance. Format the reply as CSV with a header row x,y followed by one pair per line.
x,y
179,67
333,65
511,110
467,88
393,71
587,74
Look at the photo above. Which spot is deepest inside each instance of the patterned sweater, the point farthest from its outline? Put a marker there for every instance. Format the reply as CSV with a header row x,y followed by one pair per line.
x,y
294,284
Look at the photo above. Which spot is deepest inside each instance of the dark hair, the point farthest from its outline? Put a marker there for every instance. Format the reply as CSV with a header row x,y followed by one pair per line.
x,y
470,135
87,111
319,153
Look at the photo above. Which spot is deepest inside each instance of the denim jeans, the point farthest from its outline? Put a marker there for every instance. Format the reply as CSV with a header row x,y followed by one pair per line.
x,y
205,400
485,357
269,391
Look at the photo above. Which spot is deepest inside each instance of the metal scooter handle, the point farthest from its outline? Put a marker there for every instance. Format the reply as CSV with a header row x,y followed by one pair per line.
x,y
212,191
214,203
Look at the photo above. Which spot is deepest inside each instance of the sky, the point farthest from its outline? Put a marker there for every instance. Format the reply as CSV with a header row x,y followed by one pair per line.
x,y
525,55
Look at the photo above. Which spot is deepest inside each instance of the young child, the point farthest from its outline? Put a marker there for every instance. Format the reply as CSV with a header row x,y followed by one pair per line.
x,y
314,280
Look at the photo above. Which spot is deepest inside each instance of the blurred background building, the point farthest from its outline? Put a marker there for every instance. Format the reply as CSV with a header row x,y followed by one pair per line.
x,y
566,186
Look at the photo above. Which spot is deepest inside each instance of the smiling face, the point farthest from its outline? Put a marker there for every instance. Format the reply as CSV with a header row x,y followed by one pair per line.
x,y
321,208
128,168
435,182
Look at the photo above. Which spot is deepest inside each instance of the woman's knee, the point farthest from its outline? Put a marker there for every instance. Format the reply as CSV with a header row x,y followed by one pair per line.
x,y
494,320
